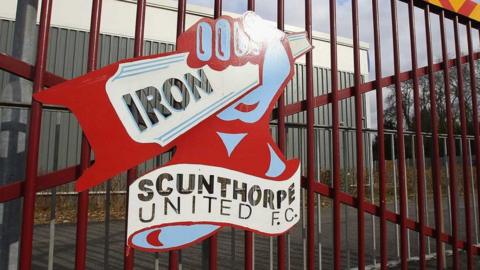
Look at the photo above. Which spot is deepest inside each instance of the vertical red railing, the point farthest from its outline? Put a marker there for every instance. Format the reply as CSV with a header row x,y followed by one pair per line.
x,y
473,89
281,131
310,143
83,199
436,166
217,9
420,168
181,16
359,137
451,142
452,167
173,256
251,5
381,136
248,250
129,255
26,240
337,238
213,240
465,151
248,245
400,139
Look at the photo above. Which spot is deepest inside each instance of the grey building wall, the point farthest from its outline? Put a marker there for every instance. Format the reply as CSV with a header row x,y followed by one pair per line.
x,y
67,57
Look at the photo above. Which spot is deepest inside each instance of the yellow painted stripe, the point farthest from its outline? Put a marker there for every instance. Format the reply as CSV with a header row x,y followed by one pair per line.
x,y
476,13
457,4
435,2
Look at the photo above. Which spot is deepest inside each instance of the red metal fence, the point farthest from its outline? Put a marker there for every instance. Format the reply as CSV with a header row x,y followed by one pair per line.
x,y
34,183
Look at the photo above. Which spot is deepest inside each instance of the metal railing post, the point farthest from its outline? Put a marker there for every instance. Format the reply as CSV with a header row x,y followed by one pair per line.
x,y
26,240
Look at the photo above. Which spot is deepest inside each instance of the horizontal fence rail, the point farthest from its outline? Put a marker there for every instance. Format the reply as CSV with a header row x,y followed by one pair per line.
x,y
403,193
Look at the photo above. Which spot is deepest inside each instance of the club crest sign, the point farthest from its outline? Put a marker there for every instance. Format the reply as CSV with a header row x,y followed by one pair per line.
x,y
210,103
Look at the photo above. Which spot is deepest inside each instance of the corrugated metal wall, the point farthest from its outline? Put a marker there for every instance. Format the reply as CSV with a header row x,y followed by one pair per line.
x,y
68,50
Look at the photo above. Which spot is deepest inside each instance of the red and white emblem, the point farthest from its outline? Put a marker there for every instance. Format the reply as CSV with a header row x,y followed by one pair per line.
x,y
211,101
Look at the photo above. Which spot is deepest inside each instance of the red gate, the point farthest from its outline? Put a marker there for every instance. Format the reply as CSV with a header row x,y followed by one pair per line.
x,y
33,183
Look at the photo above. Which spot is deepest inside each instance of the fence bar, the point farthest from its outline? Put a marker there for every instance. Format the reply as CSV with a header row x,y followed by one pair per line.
x,y
371,182
281,133
420,166
139,28
213,240
346,148
395,192
476,126
436,166
217,9
310,143
173,256
381,137
465,159
181,13
233,252
359,138
407,213
128,263
106,247
451,142
474,199
251,5
248,250
85,156
449,205
426,207
213,246
26,241
319,230
53,201
400,141
337,238
248,235
132,173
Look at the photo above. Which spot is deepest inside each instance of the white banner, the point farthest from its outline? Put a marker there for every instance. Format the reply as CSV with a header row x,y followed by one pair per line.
x,y
190,194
